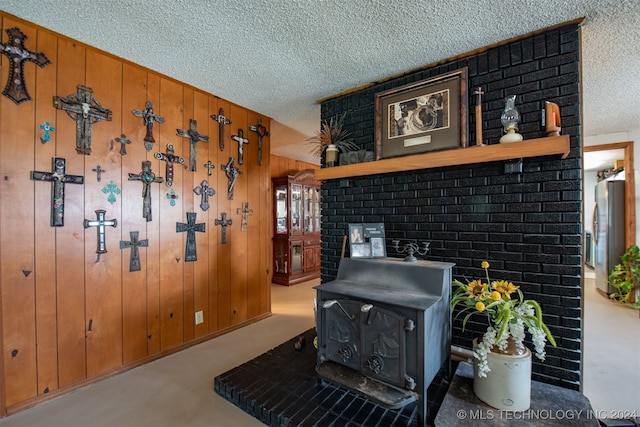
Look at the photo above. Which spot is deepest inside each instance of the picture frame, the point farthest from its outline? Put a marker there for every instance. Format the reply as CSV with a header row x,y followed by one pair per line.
x,y
367,240
429,115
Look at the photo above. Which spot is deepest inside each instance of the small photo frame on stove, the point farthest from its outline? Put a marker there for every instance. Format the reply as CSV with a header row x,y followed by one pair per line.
x,y
367,240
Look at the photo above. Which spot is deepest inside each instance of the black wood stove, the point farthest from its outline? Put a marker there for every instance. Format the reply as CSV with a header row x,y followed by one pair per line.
x,y
384,329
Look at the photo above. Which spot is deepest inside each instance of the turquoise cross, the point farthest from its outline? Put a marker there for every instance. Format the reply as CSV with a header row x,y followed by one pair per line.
x,y
46,127
111,189
172,196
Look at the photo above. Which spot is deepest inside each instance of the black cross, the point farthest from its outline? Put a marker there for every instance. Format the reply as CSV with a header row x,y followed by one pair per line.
x,y
222,120
86,111
232,173
58,179
209,166
134,244
190,227
241,140
98,169
100,223
194,136
122,139
18,54
205,191
149,117
146,177
223,223
261,131
170,158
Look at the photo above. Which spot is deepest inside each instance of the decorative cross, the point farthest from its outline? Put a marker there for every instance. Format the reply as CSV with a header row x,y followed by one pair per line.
x,y
194,136
478,92
244,212
58,179
190,227
111,189
122,139
241,141
100,223
232,173
209,166
222,120
98,169
223,223
17,53
134,244
261,131
149,117
146,177
172,196
206,192
170,158
86,111
46,127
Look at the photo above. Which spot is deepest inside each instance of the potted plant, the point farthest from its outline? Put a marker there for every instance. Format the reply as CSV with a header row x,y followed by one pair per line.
x,y
501,347
333,138
625,278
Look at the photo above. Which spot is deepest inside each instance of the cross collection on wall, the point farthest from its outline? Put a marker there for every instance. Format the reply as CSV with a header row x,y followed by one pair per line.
x,y
87,111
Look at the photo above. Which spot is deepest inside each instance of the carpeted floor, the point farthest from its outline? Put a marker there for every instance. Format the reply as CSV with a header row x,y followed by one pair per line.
x,y
281,388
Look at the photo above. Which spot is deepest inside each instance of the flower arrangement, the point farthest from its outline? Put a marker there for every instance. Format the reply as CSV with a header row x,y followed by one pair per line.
x,y
331,133
508,314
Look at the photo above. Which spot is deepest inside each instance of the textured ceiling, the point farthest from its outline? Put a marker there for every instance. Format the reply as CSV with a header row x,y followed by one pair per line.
x,y
278,57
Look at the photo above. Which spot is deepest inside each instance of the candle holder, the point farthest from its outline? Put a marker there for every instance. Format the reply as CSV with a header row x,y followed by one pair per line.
x,y
410,249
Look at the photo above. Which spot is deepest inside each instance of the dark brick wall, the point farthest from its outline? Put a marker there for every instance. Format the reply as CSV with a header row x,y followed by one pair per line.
x,y
527,225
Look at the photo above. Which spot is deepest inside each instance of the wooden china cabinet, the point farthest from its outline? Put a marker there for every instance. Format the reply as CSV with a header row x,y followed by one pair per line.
x,y
296,234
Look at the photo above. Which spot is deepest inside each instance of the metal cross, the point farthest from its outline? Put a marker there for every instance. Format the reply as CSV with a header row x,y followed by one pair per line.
x,y
478,92
232,173
149,117
98,169
17,53
111,189
205,191
261,131
172,196
170,158
244,212
209,166
46,127
58,179
86,111
134,244
194,136
223,223
146,177
222,120
100,223
122,139
241,141
190,227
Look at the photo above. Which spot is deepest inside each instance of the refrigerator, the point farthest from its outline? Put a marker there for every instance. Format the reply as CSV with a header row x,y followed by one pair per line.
x,y
608,230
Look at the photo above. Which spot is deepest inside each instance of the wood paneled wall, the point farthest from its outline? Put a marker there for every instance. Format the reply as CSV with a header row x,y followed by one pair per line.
x,y
283,166
69,317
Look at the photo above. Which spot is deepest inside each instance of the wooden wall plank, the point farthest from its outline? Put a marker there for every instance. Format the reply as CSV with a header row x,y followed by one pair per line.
x,y
266,225
134,284
18,288
219,185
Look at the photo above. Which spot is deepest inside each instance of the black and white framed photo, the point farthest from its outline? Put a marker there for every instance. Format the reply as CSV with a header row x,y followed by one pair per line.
x,y
366,240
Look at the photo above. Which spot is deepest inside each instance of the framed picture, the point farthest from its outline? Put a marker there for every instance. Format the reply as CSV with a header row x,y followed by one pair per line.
x,y
367,240
429,115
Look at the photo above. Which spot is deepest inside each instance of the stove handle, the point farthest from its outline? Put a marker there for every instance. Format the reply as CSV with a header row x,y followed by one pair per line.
x,y
330,303
366,308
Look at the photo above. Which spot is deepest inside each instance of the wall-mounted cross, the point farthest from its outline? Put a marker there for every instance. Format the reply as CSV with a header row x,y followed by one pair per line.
x,y
244,211
18,54
191,227
146,177
209,166
232,173
205,191
46,127
222,120
112,190
134,244
194,136
98,170
261,131
241,140
58,179
122,139
100,223
149,117
86,111
223,223
170,158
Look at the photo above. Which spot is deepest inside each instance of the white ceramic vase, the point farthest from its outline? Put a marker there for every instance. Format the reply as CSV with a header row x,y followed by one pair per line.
x,y
508,385
331,155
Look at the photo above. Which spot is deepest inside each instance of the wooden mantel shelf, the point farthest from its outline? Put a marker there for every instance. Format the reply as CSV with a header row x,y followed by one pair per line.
x,y
459,156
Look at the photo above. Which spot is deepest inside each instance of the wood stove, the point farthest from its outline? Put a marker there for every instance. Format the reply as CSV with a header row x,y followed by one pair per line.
x,y
384,328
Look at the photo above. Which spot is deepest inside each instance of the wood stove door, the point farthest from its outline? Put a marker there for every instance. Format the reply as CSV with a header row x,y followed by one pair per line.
x,y
383,345
342,320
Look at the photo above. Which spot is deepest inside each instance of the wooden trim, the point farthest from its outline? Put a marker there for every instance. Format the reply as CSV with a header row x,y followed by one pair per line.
x,y
629,188
460,156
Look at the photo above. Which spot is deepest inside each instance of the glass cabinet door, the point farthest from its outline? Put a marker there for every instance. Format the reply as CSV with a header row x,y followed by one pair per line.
x,y
296,208
316,209
281,209
296,257
308,210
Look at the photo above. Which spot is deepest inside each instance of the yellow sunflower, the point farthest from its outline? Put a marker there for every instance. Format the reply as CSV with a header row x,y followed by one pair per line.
x,y
476,288
504,287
